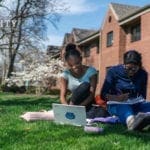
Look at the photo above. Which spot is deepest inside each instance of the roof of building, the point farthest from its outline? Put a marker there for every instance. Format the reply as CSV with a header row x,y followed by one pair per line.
x,y
142,9
51,49
67,38
89,38
123,10
80,34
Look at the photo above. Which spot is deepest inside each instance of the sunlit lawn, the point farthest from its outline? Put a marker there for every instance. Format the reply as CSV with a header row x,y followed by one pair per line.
x,y
16,134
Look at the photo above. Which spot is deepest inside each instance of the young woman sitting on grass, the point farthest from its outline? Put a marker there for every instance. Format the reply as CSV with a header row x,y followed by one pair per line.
x,y
128,80
81,81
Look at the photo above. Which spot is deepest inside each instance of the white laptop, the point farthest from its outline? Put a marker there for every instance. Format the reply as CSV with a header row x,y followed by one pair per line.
x,y
69,114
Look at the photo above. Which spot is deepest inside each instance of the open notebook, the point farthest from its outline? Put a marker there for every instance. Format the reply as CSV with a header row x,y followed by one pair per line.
x,y
129,101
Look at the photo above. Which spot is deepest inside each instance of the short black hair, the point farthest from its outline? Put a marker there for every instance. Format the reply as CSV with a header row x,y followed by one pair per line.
x,y
133,57
71,50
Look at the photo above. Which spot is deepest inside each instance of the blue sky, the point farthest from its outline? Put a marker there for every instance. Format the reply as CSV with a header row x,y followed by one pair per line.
x,y
87,14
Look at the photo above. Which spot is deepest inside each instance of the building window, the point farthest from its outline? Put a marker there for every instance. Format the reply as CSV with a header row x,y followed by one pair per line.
x,y
135,33
109,19
97,47
86,51
109,39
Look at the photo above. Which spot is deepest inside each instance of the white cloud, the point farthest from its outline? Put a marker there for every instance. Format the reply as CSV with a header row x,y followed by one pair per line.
x,y
74,6
79,6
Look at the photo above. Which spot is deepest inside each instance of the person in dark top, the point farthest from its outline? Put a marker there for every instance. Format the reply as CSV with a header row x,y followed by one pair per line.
x,y
128,81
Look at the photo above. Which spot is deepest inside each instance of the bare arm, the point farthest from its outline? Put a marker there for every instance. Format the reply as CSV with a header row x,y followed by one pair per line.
x,y
90,98
63,91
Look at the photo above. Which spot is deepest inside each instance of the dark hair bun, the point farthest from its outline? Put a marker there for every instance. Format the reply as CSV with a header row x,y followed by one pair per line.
x,y
71,50
70,46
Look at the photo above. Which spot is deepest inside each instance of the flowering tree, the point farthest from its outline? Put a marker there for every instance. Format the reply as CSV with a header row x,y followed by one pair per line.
x,y
41,73
24,26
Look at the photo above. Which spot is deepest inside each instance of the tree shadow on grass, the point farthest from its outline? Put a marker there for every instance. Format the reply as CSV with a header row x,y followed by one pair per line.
x,y
28,101
119,129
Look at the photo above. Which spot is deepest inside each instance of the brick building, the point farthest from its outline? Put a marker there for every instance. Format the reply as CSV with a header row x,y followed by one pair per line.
x,y
124,28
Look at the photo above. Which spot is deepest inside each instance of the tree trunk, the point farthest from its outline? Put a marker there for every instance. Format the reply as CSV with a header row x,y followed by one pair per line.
x,y
11,66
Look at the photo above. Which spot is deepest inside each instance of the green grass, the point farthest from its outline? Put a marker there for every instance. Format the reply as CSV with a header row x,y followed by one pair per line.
x,y
16,134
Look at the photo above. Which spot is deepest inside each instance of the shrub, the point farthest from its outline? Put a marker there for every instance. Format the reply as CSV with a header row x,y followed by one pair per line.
x,y
31,90
13,88
54,92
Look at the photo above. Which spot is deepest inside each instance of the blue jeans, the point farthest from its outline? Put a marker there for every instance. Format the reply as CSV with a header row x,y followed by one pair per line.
x,y
123,111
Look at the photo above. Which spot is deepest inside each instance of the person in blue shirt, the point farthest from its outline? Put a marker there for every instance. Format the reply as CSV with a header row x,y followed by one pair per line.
x,y
128,81
80,79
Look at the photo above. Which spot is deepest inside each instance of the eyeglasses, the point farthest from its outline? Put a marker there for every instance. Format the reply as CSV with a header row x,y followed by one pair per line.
x,y
132,68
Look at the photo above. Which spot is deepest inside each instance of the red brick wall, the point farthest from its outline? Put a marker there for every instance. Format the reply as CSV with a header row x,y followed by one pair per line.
x,y
93,60
109,55
122,44
143,45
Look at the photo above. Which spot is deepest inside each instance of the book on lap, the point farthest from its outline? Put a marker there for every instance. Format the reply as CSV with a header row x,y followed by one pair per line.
x,y
129,101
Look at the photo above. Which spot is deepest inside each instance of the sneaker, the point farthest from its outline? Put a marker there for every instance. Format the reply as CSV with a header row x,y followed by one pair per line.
x,y
139,121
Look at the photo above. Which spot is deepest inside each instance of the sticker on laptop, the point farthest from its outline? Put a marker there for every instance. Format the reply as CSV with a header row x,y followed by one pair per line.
x,y
70,115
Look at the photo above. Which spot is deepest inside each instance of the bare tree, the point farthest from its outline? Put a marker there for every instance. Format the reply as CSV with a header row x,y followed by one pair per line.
x,y
27,26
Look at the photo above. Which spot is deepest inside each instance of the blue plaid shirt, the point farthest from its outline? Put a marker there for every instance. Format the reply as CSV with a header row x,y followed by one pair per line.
x,y
118,82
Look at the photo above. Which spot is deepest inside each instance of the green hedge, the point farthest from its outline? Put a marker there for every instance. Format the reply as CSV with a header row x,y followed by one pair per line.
x,y
29,90
14,89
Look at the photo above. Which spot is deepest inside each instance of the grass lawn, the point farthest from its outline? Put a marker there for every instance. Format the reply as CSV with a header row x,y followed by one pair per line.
x,y
16,134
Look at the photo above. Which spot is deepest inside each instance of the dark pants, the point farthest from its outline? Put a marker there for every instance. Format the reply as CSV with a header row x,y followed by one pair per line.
x,y
81,93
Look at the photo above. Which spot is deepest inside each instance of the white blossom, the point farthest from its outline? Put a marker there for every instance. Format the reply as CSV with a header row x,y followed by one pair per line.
x,y
37,73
